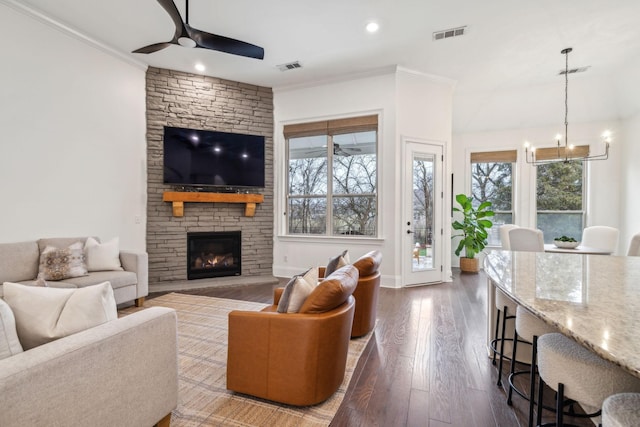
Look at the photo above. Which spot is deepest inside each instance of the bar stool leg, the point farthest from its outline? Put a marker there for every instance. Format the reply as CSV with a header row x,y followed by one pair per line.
x,y
532,382
540,389
559,401
493,362
512,368
504,329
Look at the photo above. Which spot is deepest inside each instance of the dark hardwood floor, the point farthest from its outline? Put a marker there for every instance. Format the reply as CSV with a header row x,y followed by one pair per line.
x,y
427,363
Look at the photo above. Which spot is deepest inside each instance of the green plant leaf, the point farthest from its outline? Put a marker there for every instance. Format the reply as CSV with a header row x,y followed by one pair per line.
x,y
484,205
473,226
462,199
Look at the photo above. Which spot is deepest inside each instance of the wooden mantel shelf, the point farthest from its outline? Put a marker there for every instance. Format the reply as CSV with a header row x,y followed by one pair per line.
x,y
179,197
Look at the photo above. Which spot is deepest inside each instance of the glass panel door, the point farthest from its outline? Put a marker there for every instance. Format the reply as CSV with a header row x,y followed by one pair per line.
x,y
423,201
422,231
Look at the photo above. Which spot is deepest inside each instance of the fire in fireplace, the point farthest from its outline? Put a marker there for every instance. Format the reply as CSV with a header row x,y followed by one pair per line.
x,y
213,254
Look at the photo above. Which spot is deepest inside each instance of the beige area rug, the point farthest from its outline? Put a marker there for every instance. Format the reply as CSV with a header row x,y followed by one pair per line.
x,y
202,358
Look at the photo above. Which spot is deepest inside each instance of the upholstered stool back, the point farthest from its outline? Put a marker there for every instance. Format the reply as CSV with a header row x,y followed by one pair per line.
x,y
621,410
577,373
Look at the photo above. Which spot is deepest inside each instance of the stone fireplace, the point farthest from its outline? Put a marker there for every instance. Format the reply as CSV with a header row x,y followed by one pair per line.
x,y
192,101
214,254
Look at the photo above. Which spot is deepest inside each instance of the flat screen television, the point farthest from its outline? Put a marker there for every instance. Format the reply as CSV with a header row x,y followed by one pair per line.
x,y
210,158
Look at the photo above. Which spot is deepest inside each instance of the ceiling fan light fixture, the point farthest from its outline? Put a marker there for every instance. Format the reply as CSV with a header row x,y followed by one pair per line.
x,y
186,42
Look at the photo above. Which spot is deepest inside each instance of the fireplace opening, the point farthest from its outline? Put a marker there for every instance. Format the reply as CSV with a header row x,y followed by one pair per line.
x,y
213,254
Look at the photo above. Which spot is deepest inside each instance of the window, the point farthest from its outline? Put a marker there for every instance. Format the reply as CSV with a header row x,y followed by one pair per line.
x,y
492,181
559,198
332,177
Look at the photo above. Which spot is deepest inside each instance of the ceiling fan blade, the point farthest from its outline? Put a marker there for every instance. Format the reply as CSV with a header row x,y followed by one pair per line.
x,y
153,47
224,44
173,12
181,31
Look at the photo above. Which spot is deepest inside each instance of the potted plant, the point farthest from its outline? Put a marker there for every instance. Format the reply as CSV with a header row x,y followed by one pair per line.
x,y
473,230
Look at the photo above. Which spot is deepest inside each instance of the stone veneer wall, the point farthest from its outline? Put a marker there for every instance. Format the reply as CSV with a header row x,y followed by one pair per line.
x,y
193,101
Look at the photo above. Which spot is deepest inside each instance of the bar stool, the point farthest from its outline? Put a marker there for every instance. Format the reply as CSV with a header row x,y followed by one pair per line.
x,y
506,307
621,410
529,328
577,373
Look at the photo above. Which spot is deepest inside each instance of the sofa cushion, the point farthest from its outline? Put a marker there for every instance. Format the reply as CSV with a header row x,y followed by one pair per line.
x,y
333,291
118,279
19,261
9,343
336,262
46,314
62,263
102,256
297,291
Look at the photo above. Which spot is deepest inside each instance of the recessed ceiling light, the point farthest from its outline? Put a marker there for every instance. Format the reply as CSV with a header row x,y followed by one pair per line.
x,y
372,27
200,67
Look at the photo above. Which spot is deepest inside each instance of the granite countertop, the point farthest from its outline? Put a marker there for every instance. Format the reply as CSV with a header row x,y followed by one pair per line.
x,y
594,299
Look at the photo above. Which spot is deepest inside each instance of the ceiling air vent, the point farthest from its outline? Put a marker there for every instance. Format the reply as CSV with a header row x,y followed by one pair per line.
x,y
573,70
289,66
452,32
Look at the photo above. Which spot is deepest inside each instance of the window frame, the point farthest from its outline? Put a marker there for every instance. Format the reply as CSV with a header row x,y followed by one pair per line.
x,y
503,155
584,191
330,129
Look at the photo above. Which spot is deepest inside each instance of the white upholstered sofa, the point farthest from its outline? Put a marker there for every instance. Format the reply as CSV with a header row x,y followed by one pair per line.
x,y
121,373
19,263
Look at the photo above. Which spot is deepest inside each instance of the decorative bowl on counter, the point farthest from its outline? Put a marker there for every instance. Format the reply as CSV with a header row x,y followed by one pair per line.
x,y
565,244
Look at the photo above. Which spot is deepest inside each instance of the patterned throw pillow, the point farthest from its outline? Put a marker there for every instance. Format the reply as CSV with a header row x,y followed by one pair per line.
x,y
59,264
337,262
297,291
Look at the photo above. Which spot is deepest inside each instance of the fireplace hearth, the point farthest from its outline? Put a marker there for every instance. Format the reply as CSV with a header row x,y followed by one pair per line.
x,y
213,254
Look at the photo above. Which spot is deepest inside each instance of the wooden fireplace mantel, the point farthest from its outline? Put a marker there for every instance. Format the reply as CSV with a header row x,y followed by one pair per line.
x,y
179,197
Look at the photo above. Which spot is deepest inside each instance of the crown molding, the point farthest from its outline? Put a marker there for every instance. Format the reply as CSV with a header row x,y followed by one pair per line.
x,y
71,32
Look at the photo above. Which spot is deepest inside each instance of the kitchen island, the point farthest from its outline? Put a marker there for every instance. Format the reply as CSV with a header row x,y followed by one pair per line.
x,y
593,299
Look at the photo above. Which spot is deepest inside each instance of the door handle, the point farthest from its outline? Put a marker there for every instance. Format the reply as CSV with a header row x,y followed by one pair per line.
x,y
409,232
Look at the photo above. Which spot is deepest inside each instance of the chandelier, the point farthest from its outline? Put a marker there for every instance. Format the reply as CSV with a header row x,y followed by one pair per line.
x,y
566,152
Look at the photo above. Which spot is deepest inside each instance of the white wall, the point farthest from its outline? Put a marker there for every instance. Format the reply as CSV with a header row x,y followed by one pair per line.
x,y
72,150
386,94
424,105
630,194
368,95
604,177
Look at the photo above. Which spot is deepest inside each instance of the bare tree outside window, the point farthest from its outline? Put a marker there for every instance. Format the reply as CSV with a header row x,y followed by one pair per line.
x,y
307,181
354,189
423,200
492,182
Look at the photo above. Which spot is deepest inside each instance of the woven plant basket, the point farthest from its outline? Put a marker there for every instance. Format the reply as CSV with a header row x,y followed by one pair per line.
x,y
469,265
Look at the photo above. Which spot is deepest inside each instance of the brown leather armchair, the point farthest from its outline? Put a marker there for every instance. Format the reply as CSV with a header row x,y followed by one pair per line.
x,y
366,293
294,358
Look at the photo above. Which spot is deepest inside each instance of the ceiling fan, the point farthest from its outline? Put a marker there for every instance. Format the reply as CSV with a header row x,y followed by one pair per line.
x,y
337,150
188,36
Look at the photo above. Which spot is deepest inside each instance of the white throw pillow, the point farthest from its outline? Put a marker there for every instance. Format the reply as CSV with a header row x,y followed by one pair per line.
x,y
9,343
297,290
46,314
102,256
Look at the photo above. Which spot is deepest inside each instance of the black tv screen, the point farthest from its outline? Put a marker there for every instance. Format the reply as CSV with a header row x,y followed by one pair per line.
x,y
209,158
